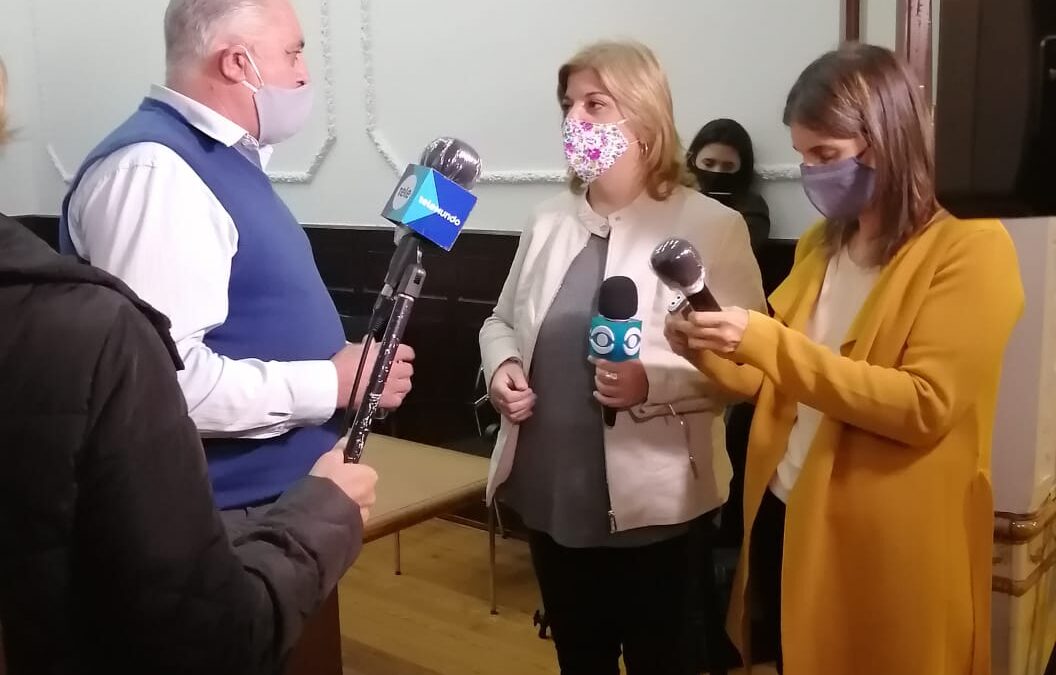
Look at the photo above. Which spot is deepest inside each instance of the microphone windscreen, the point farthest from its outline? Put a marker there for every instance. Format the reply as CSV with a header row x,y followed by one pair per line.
x,y
677,262
455,159
618,298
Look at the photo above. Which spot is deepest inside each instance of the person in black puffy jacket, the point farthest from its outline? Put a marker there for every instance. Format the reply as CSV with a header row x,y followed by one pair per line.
x,y
113,557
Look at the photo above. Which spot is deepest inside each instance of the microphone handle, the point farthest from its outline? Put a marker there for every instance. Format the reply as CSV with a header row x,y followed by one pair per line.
x,y
610,417
703,301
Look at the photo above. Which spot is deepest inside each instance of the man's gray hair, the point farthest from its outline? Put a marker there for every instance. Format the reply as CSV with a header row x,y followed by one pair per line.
x,y
192,27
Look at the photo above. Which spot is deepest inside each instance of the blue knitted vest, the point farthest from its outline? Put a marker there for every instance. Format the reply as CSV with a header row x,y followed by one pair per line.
x,y
278,306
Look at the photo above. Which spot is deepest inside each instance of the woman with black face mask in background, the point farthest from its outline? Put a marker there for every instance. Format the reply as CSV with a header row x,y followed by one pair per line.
x,y
722,159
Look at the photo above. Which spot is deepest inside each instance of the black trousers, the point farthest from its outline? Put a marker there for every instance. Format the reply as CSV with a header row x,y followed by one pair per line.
x,y
764,574
601,601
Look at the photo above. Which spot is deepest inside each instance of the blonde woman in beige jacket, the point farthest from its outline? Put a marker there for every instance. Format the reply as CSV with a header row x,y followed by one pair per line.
x,y
608,509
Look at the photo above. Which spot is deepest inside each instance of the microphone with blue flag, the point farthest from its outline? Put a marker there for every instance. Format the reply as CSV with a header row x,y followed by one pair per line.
x,y
614,335
429,206
432,199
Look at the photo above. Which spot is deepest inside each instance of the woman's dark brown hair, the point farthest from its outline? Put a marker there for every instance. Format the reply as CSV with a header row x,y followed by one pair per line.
x,y
864,90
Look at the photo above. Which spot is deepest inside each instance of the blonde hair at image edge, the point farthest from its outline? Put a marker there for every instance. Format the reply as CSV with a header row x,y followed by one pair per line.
x,y
4,134
635,78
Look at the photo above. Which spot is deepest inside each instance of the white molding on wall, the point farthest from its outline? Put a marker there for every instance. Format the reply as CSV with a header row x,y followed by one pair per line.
x,y
386,149
329,95
366,47
67,177
775,172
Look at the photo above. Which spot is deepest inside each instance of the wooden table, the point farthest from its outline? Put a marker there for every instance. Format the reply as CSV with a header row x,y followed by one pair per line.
x,y
415,483
419,482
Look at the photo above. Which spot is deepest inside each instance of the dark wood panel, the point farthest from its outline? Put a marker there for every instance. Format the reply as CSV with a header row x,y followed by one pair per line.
x,y
914,39
319,650
852,20
460,291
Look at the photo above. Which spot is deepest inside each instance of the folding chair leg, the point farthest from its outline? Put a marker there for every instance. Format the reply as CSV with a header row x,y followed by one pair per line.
x,y
540,621
491,558
498,519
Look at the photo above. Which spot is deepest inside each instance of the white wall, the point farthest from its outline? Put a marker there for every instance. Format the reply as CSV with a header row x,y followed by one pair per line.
x,y
1024,450
20,158
880,26
487,74
880,22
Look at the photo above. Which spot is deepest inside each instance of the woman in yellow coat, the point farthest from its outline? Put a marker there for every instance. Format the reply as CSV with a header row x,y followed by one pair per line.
x,y
868,508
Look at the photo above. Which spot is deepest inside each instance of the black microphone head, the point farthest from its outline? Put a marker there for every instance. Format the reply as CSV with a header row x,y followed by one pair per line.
x,y
618,299
455,159
677,262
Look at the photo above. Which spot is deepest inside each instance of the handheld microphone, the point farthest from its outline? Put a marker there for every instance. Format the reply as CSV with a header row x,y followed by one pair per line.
x,y
614,335
447,170
430,204
433,197
677,262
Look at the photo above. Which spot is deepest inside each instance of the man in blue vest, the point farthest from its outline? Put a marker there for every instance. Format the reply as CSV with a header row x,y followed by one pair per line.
x,y
176,203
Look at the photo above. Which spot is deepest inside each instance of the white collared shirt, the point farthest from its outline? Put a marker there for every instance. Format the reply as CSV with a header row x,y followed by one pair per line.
x,y
844,291
143,215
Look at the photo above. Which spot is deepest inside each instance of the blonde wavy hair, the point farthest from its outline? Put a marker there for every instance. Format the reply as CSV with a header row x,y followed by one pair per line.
x,y
634,77
5,134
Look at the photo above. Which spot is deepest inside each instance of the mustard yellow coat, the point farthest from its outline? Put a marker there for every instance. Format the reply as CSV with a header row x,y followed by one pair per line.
x,y
887,554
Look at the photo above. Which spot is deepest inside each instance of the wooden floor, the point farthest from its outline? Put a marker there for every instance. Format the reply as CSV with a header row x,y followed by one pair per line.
x,y
434,619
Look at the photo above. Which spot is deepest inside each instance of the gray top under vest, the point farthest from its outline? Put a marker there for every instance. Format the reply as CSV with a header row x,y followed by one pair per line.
x,y
557,484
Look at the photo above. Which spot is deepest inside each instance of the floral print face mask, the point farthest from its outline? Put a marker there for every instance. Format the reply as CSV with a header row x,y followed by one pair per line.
x,y
592,148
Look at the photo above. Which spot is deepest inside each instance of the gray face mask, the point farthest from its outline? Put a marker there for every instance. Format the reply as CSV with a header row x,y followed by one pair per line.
x,y
281,112
841,190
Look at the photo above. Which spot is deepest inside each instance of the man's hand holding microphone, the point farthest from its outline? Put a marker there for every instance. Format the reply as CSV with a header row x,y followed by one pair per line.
x,y
397,386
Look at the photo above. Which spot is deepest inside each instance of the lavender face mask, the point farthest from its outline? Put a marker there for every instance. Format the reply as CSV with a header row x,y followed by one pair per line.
x,y
841,190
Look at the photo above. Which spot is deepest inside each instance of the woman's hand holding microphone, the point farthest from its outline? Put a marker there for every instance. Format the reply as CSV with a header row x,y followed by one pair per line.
x,y
619,385
624,385
719,332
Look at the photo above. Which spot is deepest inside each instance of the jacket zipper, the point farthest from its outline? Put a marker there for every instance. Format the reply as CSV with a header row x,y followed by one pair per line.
x,y
612,522
689,440
693,465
